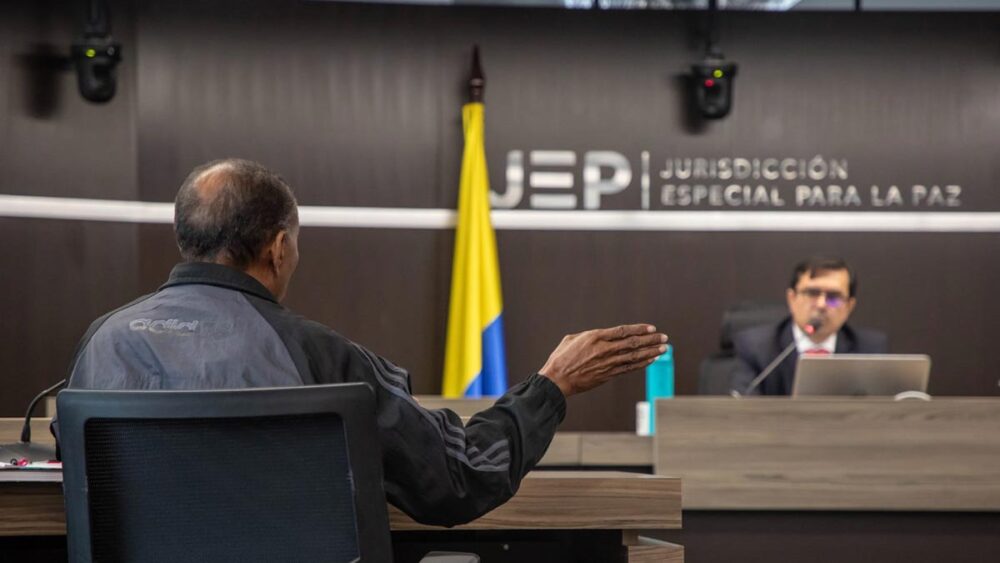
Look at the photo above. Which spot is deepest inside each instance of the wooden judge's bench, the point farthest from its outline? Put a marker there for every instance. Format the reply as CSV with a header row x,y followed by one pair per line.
x,y
834,479
821,479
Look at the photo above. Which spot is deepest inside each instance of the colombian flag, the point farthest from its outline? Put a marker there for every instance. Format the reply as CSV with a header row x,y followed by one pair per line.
x,y
475,363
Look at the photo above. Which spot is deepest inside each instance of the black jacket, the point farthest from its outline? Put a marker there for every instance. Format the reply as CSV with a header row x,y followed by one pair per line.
x,y
213,327
758,346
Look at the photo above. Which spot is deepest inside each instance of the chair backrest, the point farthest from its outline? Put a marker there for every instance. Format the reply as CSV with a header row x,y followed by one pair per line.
x,y
289,474
748,314
716,371
715,376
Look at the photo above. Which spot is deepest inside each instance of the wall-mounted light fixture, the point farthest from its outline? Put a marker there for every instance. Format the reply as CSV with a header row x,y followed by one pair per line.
x,y
713,77
96,54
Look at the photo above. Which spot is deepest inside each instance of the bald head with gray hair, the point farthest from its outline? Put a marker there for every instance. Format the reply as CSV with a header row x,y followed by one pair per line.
x,y
228,211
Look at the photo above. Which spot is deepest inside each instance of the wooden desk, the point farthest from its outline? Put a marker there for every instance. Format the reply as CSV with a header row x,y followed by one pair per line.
x,y
10,431
600,449
569,449
834,479
31,503
607,506
777,453
832,453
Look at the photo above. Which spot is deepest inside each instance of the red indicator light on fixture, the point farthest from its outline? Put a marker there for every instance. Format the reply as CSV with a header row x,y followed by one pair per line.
x,y
709,83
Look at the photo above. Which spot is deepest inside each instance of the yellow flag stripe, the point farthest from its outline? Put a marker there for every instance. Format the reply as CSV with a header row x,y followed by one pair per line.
x,y
475,300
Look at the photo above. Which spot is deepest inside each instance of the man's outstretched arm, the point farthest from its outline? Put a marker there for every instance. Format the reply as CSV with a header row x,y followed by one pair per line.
x,y
440,471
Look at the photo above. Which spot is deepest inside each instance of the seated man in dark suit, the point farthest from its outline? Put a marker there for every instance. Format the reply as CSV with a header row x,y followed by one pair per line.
x,y
821,296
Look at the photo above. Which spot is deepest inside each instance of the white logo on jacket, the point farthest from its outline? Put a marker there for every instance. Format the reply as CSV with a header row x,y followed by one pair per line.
x,y
160,326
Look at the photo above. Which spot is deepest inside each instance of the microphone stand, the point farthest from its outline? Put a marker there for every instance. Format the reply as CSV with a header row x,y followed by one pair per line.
x,y
810,329
767,371
25,449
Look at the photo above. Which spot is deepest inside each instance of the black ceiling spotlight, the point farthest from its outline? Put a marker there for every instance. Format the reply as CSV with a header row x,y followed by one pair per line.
x,y
713,83
713,77
96,54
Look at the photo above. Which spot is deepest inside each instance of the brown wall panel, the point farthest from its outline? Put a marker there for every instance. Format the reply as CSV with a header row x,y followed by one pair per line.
x,y
58,276
388,290
681,282
359,106
55,143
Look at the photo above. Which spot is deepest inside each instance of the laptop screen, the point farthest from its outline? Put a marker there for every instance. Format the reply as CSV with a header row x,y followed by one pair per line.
x,y
861,374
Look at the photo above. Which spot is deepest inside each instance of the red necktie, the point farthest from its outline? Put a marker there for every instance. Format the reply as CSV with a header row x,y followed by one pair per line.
x,y
817,352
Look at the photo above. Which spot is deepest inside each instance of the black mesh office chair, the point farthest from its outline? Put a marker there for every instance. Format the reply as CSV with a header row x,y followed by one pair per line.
x,y
290,474
715,372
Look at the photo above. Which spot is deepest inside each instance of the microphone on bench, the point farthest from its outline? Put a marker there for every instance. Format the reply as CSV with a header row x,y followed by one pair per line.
x,y
809,329
25,449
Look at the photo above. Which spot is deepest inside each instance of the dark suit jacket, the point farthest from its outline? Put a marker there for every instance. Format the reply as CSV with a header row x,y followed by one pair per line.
x,y
758,346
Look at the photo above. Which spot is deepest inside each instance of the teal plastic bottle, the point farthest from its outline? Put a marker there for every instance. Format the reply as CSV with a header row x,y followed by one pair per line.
x,y
659,383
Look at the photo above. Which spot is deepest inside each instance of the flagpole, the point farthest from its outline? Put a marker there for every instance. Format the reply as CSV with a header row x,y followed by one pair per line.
x,y
477,81
475,363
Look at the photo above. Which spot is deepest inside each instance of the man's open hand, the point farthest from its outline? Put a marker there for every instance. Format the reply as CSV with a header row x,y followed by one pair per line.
x,y
585,360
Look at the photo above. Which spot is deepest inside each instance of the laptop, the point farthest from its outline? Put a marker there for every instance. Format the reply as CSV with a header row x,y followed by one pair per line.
x,y
861,375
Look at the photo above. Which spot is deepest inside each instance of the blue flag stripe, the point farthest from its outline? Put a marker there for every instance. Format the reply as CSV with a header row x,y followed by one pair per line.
x,y
491,381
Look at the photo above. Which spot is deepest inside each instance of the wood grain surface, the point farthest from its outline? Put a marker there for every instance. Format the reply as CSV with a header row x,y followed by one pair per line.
x,y
623,449
546,500
10,431
832,454
31,508
580,500
615,448
655,554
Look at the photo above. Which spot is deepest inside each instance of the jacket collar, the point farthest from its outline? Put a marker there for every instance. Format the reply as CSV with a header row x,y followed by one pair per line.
x,y
845,337
208,273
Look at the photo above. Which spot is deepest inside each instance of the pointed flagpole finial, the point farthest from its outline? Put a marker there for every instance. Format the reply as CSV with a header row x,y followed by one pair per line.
x,y
477,81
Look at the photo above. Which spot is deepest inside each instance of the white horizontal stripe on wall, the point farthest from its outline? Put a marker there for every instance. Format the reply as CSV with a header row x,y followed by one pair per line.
x,y
576,220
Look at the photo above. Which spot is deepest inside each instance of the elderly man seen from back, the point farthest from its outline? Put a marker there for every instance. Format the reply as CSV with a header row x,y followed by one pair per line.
x,y
217,323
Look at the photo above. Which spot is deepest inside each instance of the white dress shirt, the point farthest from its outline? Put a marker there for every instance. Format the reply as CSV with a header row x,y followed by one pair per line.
x,y
803,343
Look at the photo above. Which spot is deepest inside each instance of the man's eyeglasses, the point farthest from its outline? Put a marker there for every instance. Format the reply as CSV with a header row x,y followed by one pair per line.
x,y
834,299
